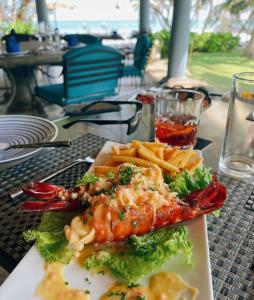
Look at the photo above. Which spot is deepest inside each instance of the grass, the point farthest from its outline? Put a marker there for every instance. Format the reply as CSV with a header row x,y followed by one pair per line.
x,y
217,69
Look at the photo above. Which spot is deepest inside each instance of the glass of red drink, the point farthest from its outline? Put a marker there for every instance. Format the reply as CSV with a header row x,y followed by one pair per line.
x,y
177,115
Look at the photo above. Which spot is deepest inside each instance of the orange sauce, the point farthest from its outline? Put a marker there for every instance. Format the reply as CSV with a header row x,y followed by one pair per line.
x,y
162,286
54,287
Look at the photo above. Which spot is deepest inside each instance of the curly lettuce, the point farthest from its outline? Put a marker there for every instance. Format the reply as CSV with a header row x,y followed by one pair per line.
x,y
143,254
50,238
185,182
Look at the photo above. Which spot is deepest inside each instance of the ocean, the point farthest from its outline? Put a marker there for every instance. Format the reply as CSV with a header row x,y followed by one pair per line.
x,y
122,27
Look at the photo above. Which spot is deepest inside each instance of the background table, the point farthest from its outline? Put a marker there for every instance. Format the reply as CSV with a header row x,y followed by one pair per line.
x,y
231,237
22,70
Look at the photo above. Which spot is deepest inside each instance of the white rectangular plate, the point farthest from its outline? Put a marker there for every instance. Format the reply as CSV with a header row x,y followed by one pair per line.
x,y
22,282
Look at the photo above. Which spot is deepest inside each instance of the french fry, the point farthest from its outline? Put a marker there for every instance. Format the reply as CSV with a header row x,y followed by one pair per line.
x,y
160,153
115,150
182,157
149,155
197,163
133,160
104,169
154,146
136,143
128,152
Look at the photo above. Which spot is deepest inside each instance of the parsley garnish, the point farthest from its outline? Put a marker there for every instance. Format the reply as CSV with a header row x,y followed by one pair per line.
x,y
126,174
133,285
141,298
121,215
87,292
115,293
101,272
114,187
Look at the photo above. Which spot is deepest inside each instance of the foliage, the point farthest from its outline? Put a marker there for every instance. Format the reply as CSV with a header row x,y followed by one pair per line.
x,y
163,37
213,42
20,27
205,42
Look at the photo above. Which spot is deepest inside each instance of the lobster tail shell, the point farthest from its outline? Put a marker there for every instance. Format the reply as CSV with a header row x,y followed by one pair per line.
x,y
208,199
41,190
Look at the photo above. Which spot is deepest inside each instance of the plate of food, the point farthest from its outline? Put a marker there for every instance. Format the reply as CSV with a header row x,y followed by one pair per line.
x,y
133,227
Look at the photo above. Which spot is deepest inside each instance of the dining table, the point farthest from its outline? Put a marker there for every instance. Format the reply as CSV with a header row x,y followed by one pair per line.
x,y
231,235
21,67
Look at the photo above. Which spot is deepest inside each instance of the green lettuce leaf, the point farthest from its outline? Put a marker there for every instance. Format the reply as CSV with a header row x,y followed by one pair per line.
x,y
87,178
50,238
185,183
143,254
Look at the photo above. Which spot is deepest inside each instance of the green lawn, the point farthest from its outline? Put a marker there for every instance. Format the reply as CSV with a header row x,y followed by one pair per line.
x,y
217,68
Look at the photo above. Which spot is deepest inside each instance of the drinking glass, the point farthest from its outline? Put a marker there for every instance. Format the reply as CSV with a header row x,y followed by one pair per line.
x,y
177,115
237,156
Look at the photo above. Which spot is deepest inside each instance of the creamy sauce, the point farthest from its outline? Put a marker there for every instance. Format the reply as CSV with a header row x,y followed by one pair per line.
x,y
170,286
119,290
162,286
54,287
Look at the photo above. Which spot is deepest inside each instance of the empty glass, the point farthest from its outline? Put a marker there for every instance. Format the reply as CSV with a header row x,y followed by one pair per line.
x,y
237,156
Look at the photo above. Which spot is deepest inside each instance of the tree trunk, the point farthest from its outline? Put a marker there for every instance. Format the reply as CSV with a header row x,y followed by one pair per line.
x,y
21,15
249,51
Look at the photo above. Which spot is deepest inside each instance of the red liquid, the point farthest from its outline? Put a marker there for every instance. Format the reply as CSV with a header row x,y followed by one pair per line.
x,y
179,130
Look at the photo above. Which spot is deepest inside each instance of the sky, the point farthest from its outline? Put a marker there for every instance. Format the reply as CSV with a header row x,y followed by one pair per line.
x,y
97,10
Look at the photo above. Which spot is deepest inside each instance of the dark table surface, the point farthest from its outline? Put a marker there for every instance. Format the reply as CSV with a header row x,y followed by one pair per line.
x,y
231,237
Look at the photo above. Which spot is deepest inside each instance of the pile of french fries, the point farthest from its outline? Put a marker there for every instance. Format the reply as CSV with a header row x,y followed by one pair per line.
x,y
171,160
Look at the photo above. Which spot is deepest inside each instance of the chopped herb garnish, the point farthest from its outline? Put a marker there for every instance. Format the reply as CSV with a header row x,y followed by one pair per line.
x,y
121,215
87,292
110,175
114,293
123,296
141,298
133,285
87,280
126,174
114,187
101,272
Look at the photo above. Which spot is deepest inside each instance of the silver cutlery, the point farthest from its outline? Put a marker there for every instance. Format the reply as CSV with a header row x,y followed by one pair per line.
x,y
89,160
6,146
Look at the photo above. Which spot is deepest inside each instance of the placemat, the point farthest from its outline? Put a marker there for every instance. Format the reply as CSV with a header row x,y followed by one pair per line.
x,y
13,223
231,236
231,243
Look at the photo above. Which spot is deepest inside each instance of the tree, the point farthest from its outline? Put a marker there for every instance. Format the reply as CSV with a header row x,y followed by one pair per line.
x,y
243,12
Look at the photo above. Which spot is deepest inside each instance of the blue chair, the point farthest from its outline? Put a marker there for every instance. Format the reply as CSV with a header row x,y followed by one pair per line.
x,y
90,73
141,53
87,39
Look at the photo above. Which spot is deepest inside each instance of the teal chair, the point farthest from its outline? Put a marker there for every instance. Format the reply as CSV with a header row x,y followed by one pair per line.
x,y
90,73
87,39
141,53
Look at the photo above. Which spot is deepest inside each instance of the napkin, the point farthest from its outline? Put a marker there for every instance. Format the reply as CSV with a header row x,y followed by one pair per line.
x,y
72,40
12,45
